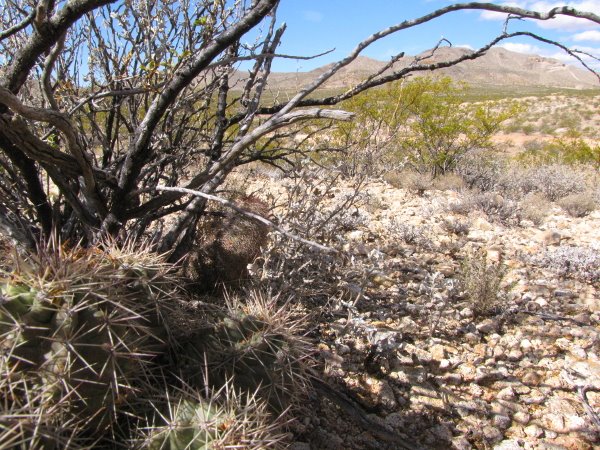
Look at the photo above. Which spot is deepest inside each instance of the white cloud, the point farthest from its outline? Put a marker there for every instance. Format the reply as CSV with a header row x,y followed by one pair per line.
x,y
470,47
522,48
562,23
313,16
591,35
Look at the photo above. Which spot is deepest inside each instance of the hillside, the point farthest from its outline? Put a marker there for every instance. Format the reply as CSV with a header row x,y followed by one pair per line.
x,y
499,67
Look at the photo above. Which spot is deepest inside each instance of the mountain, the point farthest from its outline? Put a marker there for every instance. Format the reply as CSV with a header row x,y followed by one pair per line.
x,y
498,67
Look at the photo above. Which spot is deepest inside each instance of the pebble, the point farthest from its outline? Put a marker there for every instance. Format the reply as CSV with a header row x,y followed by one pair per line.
x,y
521,417
509,444
501,421
487,326
534,431
492,434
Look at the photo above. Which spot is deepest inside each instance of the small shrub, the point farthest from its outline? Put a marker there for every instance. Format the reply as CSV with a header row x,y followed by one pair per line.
x,y
449,182
570,261
492,204
554,181
416,183
578,205
458,227
480,170
534,207
482,283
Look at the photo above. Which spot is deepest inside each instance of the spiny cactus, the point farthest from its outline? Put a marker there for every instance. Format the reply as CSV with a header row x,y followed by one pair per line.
x,y
79,329
225,245
222,419
258,345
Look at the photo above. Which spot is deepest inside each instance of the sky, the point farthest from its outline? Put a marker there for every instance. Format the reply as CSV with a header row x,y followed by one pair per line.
x,y
316,26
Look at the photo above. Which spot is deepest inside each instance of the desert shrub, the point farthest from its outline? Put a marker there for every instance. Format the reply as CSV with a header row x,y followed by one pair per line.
x,y
571,149
481,170
449,182
496,207
416,182
578,205
458,227
409,234
442,128
310,205
424,123
482,283
554,181
534,207
570,261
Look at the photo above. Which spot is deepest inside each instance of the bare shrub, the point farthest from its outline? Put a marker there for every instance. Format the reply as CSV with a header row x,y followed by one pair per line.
x,y
415,182
578,205
554,181
458,227
312,206
482,283
480,170
496,207
409,234
570,261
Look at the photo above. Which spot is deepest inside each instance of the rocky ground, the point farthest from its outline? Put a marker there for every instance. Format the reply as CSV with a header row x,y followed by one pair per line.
x,y
417,359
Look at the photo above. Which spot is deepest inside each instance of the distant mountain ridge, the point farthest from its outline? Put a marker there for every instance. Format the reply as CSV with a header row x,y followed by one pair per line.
x,y
498,67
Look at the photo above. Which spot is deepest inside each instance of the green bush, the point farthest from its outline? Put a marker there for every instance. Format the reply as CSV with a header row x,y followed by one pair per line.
x,y
424,122
571,149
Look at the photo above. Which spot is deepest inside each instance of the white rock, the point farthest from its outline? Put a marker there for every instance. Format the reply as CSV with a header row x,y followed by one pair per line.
x,y
534,431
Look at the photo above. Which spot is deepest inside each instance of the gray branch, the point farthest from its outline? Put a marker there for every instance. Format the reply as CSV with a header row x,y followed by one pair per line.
x,y
249,214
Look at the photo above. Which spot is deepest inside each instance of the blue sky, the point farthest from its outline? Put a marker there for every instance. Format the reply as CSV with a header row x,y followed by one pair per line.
x,y
315,26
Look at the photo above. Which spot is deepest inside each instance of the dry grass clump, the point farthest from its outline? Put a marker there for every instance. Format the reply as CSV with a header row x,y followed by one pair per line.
x,y
449,182
578,205
410,180
534,207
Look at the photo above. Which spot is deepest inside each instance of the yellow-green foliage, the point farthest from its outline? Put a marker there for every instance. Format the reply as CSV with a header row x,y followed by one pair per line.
x,y
571,149
424,121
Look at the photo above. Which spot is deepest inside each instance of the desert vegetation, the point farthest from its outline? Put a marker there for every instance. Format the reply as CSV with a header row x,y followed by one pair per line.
x,y
188,262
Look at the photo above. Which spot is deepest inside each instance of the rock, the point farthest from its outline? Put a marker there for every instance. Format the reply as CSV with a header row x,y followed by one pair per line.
x,y
472,338
509,444
466,313
502,422
487,326
438,352
534,431
492,434
515,355
564,293
461,443
531,379
549,237
506,394
521,417
442,432
526,345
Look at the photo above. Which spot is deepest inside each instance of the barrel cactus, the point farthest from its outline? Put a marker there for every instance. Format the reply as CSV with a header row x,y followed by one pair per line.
x,y
258,345
79,330
221,419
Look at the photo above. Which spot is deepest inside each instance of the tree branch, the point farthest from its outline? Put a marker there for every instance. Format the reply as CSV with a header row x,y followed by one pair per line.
x,y
250,214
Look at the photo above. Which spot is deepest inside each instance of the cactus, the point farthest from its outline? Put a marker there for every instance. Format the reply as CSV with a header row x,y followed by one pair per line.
x,y
223,420
258,346
78,332
225,245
